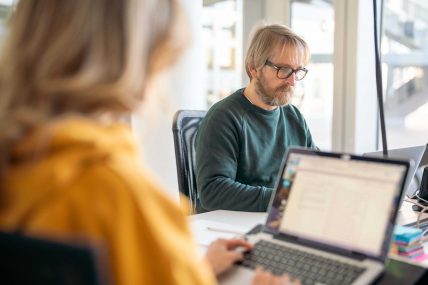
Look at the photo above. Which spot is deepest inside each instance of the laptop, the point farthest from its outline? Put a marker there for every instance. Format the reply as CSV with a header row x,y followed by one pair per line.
x,y
329,221
414,154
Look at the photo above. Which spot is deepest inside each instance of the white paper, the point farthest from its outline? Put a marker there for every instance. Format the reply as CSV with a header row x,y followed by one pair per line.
x,y
205,231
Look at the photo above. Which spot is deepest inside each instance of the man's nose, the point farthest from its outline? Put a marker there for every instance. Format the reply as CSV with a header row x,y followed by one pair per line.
x,y
291,80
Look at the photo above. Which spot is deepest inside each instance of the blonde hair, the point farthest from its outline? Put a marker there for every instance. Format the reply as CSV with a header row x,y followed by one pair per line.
x,y
266,38
82,56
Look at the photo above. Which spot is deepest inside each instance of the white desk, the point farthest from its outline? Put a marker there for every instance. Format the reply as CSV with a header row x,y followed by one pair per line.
x,y
242,222
242,219
406,215
209,226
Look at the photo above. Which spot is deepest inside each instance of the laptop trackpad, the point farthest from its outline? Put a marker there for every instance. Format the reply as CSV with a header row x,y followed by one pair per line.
x,y
237,275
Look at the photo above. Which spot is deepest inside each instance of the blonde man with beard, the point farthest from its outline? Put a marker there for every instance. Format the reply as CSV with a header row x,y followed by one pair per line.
x,y
242,139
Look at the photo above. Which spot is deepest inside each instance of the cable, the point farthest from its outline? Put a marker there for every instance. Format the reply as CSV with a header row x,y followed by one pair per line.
x,y
424,208
422,239
413,196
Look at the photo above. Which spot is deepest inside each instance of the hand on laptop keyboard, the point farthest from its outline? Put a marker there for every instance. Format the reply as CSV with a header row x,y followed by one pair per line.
x,y
264,277
223,253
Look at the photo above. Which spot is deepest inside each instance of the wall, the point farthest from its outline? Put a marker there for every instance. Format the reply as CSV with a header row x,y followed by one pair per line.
x,y
181,87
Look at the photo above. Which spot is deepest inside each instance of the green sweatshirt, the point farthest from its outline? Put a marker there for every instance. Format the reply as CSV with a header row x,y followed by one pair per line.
x,y
239,149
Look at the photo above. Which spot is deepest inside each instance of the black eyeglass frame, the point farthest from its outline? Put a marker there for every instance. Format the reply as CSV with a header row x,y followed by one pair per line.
x,y
278,69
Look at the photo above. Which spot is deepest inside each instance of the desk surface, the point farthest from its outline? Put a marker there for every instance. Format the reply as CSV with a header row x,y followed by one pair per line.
x,y
243,219
406,215
207,226
248,219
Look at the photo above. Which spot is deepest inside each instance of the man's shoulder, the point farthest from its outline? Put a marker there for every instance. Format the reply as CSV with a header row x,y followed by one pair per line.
x,y
231,106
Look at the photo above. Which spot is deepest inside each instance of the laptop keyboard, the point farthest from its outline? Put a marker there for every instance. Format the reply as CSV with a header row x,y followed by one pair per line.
x,y
309,268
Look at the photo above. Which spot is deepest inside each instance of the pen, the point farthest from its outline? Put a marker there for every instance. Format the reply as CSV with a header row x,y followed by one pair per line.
x,y
214,229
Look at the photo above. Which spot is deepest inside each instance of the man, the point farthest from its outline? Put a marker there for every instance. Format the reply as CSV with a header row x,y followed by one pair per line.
x,y
242,139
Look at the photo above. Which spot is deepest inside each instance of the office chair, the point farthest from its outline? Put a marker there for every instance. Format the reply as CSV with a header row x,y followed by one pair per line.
x,y
31,260
184,127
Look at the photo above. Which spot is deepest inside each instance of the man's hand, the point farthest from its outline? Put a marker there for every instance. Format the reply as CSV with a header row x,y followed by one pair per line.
x,y
222,255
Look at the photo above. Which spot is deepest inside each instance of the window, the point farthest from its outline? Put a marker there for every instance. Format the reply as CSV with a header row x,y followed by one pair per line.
x,y
405,71
5,6
222,38
314,21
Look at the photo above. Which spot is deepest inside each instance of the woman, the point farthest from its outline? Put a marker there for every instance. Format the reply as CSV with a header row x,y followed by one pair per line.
x,y
69,70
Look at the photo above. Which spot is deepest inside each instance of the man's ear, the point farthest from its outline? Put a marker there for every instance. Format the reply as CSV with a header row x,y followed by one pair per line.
x,y
253,71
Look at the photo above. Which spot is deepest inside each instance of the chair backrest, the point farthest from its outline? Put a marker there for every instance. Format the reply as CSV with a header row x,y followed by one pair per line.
x,y
184,127
30,260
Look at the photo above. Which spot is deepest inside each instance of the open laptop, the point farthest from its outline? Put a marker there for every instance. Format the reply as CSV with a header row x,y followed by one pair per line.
x,y
330,220
415,154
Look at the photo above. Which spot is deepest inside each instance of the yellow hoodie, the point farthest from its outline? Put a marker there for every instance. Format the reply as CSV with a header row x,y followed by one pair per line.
x,y
79,179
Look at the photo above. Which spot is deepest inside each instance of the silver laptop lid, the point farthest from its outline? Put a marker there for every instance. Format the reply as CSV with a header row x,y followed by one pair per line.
x,y
347,203
414,153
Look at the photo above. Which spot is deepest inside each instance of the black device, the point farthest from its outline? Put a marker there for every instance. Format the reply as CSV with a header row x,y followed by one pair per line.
x,y
422,194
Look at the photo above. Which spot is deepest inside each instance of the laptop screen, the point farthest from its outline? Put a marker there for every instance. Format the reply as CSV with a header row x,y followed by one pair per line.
x,y
337,200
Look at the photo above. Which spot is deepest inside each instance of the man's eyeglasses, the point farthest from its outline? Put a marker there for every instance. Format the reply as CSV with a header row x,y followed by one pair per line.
x,y
286,71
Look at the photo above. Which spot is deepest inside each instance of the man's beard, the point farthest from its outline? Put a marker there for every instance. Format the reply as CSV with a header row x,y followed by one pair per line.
x,y
279,96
